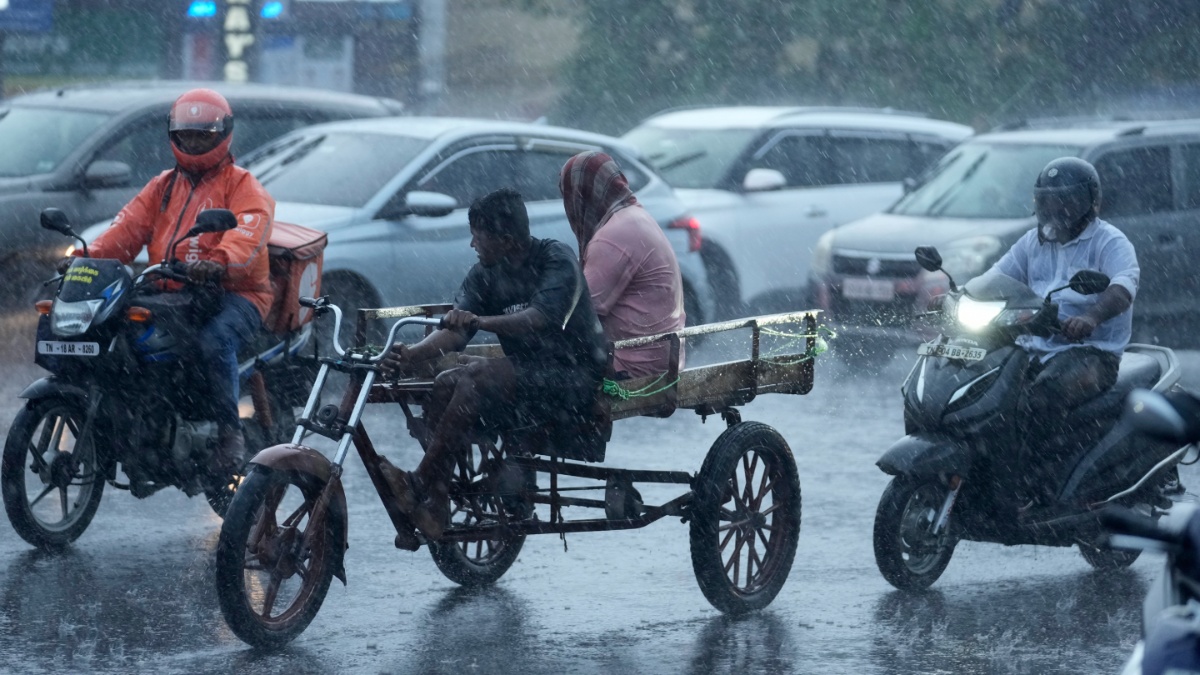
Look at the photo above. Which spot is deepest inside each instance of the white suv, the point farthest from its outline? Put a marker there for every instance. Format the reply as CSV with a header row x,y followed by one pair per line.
x,y
767,182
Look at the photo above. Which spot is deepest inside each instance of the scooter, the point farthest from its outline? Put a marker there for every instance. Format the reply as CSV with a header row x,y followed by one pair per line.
x,y
954,472
1171,610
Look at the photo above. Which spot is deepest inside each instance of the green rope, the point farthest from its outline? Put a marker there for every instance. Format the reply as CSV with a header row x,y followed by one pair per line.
x,y
614,388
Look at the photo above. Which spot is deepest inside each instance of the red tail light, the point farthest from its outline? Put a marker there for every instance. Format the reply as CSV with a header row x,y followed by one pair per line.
x,y
693,229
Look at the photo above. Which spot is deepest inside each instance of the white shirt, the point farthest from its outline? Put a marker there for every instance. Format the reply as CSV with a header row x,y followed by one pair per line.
x,y
1044,267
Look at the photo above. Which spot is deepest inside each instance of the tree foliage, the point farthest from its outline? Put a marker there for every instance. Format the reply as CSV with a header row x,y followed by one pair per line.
x,y
979,61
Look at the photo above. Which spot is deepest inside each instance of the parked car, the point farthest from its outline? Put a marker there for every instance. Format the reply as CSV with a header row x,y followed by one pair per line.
x,y
393,195
88,149
768,181
978,200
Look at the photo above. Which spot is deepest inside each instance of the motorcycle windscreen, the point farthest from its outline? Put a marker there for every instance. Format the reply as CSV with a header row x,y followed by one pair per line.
x,y
92,279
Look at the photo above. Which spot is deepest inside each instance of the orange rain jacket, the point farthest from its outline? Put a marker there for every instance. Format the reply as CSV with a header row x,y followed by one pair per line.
x,y
166,209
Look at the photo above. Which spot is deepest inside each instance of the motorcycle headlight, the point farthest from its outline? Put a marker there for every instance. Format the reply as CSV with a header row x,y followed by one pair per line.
x,y
976,314
967,258
73,318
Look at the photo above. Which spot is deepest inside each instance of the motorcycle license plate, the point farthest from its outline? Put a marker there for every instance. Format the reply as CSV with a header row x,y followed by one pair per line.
x,y
952,352
56,348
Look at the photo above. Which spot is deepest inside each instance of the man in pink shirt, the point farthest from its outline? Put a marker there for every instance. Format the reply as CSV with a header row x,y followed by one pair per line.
x,y
629,265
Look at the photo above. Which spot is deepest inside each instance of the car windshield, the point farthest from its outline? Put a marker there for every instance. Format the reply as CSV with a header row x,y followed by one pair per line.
x,y
37,140
982,180
299,168
690,158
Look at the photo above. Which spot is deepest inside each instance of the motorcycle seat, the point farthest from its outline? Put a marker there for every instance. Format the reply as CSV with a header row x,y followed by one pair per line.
x,y
1138,371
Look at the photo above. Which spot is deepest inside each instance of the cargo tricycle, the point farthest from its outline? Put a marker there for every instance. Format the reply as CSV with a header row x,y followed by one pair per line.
x,y
285,534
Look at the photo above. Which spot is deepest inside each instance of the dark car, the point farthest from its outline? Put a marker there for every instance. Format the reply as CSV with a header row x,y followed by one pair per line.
x,y
978,200
88,149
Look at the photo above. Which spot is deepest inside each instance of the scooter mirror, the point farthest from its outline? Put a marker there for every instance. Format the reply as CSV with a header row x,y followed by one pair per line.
x,y
213,220
1089,282
55,219
1152,414
928,258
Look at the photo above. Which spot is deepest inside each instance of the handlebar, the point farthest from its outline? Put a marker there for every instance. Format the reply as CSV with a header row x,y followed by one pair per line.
x,y
322,305
177,271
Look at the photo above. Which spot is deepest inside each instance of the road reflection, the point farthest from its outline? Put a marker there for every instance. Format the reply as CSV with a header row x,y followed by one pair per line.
x,y
1020,626
756,643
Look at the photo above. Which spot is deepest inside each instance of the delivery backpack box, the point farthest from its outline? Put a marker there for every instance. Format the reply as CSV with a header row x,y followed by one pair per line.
x,y
297,254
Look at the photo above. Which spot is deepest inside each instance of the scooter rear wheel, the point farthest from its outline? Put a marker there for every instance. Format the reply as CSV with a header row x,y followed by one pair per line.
x,y
274,557
908,554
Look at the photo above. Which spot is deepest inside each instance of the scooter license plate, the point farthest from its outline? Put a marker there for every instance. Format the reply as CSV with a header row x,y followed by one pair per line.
x,y
56,348
952,351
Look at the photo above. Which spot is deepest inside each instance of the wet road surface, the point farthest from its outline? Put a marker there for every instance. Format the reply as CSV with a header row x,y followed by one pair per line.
x,y
135,592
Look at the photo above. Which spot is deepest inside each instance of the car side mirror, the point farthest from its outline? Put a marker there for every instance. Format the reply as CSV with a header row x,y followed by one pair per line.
x,y
763,180
56,220
422,203
928,258
104,173
1089,282
213,220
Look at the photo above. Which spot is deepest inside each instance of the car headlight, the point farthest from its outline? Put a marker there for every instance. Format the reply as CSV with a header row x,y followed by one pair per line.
x,y
976,314
967,258
822,256
73,318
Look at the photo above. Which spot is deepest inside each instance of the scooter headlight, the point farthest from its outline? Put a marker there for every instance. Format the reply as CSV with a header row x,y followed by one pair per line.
x,y
976,314
73,318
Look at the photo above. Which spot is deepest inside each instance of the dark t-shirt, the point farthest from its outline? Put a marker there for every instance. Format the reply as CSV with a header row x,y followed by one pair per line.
x,y
552,282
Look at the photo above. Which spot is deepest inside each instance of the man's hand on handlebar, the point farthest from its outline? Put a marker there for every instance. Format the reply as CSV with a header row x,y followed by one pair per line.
x,y
1078,328
205,271
460,320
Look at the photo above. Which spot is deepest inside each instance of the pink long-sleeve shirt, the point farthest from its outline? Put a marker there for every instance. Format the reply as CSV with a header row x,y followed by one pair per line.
x,y
636,288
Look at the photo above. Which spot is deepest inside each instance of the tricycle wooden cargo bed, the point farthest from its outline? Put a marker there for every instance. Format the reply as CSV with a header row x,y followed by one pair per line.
x,y
286,531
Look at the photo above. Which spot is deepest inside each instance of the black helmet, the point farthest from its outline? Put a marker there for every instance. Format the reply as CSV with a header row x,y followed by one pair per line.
x,y
1066,198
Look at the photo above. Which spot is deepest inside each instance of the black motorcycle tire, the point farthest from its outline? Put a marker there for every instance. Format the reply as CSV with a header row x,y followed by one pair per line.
x,y
889,543
245,511
719,498
12,475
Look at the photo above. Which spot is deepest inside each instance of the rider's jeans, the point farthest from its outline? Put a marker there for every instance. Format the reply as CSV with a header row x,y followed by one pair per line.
x,y
1065,381
233,326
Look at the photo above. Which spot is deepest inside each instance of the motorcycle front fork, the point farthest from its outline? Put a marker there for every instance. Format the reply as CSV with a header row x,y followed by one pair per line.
x,y
943,515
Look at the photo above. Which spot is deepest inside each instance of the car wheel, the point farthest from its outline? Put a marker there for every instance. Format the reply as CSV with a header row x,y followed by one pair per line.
x,y
723,279
351,294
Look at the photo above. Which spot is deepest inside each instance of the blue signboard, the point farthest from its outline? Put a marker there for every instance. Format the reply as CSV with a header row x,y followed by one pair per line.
x,y
26,16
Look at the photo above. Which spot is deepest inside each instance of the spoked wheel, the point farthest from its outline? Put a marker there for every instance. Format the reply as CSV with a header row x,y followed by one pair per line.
x,y
474,501
745,518
1104,559
52,482
909,555
274,557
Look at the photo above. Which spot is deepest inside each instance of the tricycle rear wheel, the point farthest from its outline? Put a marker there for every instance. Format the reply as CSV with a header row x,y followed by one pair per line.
x,y
274,546
745,520
475,502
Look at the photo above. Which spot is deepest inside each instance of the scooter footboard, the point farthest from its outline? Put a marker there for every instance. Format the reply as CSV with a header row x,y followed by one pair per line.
x,y
926,455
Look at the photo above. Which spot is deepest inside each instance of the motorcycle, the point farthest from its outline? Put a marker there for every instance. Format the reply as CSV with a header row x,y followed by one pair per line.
x,y
954,474
1171,610
120,392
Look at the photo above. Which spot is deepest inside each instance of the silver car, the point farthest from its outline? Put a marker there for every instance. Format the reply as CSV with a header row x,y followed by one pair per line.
x,y
393,195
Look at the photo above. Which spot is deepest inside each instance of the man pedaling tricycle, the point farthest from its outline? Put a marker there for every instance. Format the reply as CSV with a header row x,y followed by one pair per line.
x,y
531,293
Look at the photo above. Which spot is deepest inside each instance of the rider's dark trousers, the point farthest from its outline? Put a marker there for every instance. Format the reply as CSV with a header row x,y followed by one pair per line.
x,y
234,325
1061,383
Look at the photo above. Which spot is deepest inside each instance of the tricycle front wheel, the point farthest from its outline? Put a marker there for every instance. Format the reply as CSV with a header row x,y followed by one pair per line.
x,y
274,556
745,520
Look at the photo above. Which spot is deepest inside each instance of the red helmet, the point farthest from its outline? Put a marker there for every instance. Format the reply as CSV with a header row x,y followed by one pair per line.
x,y
201,110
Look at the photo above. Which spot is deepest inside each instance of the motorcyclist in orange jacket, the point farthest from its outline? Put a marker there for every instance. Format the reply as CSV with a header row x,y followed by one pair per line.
x,y
200,128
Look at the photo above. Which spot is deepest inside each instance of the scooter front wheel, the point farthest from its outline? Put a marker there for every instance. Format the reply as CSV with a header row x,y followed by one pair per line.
x,y
274,556
908,553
